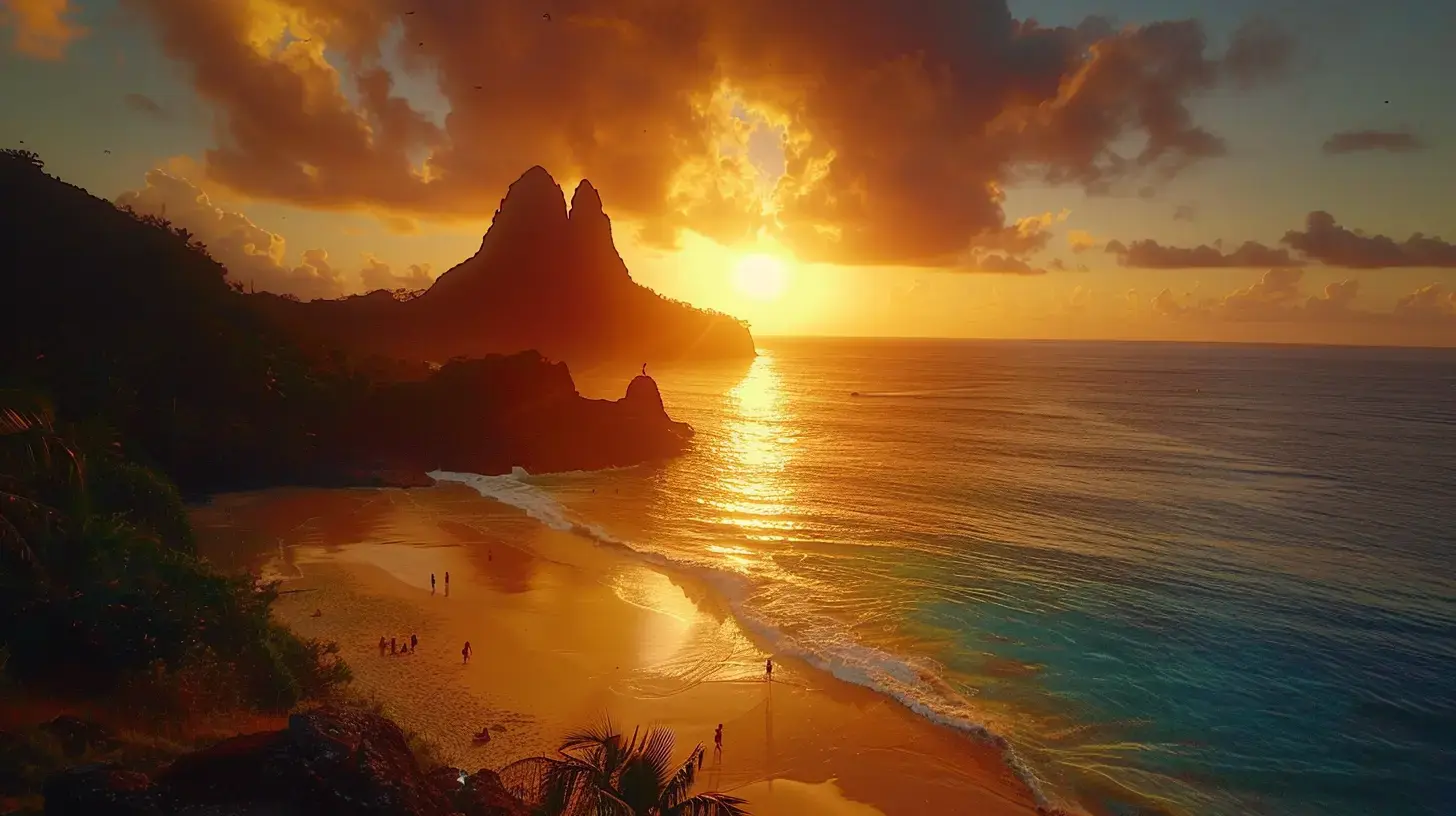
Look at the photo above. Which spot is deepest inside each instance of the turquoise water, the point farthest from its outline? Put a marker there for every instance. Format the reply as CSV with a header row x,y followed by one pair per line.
x,y
1174,578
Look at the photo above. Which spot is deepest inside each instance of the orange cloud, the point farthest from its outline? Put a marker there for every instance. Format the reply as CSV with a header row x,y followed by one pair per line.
x,y
1002,265
900,123
1430,302
1081,240
41,28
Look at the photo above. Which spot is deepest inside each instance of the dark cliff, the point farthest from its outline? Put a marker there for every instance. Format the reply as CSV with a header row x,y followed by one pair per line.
x,y
545,278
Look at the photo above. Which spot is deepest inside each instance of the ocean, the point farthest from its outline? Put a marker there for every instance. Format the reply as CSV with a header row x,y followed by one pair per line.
x,y
1171,578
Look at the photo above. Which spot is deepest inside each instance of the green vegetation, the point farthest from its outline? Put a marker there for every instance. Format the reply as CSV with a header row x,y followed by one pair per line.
x,y
600,771
102,592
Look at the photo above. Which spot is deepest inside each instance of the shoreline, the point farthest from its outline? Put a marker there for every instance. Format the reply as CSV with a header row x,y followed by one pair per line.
x,y
563,633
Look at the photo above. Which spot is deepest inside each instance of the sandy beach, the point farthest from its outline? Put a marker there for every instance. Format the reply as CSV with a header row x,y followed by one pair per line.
x,y
565,633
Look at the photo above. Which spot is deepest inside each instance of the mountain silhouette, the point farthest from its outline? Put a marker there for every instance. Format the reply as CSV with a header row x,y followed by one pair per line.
x,y
132,331
546,278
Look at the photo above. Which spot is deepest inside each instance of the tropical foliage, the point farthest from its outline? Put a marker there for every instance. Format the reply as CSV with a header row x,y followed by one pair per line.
x,y
601,772
101,591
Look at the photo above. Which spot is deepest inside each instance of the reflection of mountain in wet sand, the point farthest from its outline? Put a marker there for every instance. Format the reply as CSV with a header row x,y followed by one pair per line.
x,y
564,632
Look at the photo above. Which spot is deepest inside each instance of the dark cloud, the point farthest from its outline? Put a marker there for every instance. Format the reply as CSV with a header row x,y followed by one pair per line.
x,y
1185,212
255,256
1149,254
145,105
1322,241
1333,245
1354,141
901,121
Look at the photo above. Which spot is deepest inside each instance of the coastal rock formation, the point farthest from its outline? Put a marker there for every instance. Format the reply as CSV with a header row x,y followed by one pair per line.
x,y
545,278
331,760
132,326
493,414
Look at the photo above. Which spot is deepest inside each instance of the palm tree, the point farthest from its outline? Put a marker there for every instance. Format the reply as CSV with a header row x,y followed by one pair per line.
x,y
40,473
600,773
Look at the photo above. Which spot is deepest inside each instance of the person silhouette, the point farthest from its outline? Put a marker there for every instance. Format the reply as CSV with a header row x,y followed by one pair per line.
x,y
432,583
768,669
718,741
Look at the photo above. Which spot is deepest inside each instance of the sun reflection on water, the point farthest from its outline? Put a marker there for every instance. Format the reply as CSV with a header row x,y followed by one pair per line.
x,y
751,494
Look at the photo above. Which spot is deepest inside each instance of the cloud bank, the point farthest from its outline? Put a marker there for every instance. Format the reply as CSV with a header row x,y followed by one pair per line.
x,y
255,256
901,122
1321,241
1277,297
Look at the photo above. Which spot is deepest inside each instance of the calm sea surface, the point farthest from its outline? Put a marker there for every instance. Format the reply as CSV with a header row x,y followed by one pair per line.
x,y
1175,578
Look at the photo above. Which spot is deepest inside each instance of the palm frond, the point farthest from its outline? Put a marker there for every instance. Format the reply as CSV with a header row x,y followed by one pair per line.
x,y
677,786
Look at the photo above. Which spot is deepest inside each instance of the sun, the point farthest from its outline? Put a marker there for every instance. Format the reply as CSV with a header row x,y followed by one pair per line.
x,y
761,277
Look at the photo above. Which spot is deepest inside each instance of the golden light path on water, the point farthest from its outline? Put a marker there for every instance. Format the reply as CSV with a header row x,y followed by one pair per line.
x,y
751,492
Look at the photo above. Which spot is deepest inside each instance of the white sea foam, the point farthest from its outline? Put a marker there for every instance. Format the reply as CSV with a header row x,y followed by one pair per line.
x,y
827,647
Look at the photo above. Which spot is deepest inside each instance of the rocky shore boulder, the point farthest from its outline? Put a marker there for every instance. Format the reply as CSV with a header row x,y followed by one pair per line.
x,y
496,413
331,760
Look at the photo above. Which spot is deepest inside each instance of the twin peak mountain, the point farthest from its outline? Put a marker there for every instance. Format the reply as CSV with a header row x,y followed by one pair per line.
x,y
545,278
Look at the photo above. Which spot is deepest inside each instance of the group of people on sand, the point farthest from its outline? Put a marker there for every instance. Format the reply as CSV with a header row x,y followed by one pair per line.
x,y
395,647
447,583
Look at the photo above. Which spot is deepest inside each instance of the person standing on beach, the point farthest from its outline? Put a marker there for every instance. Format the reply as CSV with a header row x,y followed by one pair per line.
x,y
383,644
768,669
393,649
414,641
718,741
447,581
432,583
466,650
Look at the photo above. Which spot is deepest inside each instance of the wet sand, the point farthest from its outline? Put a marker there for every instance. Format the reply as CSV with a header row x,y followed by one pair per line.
x,y
565,633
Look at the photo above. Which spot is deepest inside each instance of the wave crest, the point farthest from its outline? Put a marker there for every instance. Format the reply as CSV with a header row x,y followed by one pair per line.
x,y
824,645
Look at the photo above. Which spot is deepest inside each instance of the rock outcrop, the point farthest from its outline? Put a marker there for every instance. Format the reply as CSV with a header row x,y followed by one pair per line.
x,y
331,760
493,414
545,278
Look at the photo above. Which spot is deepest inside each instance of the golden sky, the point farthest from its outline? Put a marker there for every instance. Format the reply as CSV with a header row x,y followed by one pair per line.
x,y
1064,168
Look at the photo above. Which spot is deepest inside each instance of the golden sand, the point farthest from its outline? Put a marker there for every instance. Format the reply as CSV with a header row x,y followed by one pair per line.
x,y
565,633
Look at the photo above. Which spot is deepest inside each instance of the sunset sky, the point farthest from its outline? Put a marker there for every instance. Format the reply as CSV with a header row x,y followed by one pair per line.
x,y
1253,170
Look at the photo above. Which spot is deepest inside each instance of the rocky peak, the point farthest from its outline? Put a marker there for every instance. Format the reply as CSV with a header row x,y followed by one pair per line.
x,y
643,396
586,202
534,203
589,223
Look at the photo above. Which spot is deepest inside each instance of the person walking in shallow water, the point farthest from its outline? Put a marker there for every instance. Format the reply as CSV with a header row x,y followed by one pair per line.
x,y
465,652
447,582
432,583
